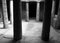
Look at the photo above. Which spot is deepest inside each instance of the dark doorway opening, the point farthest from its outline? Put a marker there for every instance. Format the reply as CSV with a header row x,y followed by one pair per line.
x,y
32,10
41,12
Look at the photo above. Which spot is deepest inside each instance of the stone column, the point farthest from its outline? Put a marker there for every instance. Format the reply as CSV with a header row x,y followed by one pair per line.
x,y
4,15
27,12
17,20
47,20
37,11
11,12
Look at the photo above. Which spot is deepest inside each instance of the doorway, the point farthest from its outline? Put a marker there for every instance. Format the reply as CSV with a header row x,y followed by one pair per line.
x,y
32,10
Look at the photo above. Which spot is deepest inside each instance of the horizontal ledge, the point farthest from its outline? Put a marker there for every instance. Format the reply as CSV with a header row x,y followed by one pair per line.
x,y
32,0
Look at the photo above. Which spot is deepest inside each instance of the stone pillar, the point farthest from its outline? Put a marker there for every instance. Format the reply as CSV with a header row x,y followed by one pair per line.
x,y
37,11
47,20
11,12
4,15
52,13
17,20
27,12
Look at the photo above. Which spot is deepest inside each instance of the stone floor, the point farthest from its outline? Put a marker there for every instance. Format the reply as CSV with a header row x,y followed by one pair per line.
x,y
31,33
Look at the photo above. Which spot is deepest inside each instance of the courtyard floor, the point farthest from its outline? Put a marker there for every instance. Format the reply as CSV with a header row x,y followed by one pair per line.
x,y
31,33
